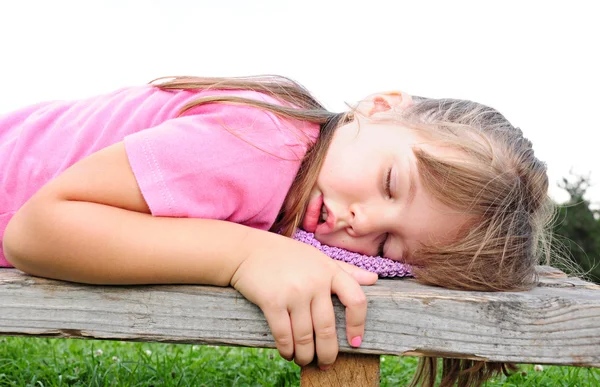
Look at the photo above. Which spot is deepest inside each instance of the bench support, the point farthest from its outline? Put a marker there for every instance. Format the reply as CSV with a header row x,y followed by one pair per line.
x,y
348,370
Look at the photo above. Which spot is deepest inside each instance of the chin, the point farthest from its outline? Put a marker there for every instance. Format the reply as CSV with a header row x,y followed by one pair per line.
x,y
324,240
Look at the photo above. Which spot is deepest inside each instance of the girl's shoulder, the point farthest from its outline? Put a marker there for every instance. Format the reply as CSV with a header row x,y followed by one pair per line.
x,y
271,132
220,160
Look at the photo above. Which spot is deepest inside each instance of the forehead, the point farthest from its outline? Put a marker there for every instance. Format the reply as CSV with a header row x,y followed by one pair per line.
x,y
431,221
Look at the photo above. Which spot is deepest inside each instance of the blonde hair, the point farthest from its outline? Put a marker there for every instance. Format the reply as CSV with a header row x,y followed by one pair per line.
x,y
498,182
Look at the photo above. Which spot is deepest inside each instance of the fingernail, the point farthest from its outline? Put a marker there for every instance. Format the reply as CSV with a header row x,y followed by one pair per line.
x,y
325,367
356,341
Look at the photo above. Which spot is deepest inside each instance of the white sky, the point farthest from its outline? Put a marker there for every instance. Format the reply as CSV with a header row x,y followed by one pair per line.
x,y
535,61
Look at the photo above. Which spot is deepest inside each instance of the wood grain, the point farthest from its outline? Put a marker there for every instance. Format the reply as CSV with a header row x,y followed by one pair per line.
x,y
354,370
556,323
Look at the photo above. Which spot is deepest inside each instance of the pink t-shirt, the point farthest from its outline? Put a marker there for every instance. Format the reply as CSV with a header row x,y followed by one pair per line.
x,y
216,161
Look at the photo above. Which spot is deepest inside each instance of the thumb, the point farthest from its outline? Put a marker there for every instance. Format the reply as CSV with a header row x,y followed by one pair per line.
x,y
362,276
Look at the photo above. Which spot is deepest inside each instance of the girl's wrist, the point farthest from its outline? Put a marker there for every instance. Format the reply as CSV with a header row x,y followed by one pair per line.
x,y
260,244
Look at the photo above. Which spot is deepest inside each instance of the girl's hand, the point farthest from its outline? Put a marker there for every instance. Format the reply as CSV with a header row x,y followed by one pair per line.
x,y
292,283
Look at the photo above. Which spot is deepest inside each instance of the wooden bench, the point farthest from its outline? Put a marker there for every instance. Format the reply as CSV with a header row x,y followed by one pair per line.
x,y
556,323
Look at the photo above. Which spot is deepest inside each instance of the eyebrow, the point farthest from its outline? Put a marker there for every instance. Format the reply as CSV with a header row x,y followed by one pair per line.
x,y
412,184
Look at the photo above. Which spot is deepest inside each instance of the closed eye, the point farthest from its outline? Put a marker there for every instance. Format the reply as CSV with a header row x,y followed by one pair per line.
x,y
388,183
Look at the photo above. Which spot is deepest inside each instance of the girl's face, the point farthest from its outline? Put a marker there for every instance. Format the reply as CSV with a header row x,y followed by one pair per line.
x,y
368,197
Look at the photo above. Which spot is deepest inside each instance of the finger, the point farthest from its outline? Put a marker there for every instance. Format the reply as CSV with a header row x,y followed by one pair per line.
x,y
325,335
352,296
281,329
362,276
302,331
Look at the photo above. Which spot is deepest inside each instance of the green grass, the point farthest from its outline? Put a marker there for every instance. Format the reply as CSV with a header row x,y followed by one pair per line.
x,y
39,362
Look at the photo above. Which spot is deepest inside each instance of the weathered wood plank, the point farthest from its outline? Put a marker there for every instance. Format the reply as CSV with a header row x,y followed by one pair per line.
x,y
556,323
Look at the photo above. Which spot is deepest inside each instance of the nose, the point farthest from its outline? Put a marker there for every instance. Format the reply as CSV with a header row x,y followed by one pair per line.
x,y
363,219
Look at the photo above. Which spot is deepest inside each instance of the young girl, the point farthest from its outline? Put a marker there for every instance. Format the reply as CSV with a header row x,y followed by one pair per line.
x,y
203,180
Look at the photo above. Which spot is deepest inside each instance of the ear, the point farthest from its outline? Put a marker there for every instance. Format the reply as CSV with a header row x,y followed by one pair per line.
x,y
382,102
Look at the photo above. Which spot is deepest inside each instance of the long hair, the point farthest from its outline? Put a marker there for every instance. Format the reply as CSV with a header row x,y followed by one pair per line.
x,y
498,181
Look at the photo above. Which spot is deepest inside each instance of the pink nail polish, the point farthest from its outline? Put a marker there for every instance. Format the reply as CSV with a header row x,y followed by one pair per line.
x,y
356,341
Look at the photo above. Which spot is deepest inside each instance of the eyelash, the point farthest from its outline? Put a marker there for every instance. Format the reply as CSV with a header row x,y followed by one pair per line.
x,y
388,191
388,183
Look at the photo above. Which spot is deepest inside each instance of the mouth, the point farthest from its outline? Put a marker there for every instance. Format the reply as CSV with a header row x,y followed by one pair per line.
x,y
324,214
317,216
326,220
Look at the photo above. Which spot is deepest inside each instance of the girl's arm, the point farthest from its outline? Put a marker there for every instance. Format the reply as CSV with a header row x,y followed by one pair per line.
x,y
91,224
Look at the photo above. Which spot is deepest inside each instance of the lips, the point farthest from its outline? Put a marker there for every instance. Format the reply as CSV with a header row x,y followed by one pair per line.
x,y
312,215
312,222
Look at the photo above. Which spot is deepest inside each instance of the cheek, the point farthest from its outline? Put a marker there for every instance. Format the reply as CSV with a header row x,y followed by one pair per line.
x,y
345,241
346,171
335,240
334,172
350,166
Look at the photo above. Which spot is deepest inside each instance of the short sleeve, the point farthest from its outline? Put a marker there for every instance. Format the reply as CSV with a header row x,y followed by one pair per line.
x,y
225,162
